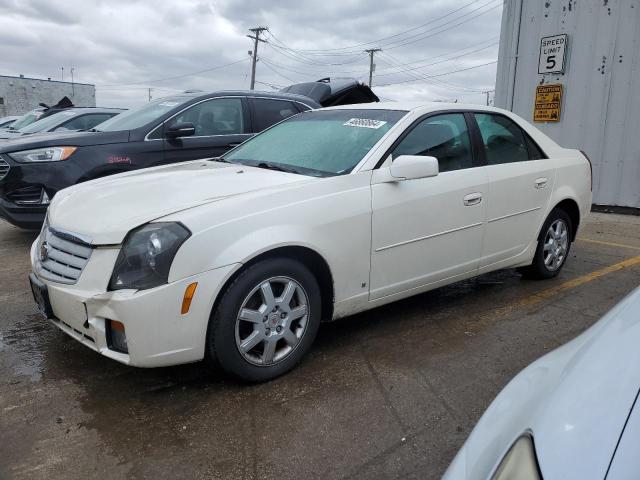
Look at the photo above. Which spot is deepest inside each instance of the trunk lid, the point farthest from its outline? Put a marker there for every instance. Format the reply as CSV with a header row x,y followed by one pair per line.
x,y
330,92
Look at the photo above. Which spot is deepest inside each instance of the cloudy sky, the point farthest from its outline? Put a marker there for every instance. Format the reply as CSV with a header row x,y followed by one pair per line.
x,y
431,49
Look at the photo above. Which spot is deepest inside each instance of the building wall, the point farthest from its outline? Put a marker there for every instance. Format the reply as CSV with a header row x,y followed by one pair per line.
x,y
601,100
19,95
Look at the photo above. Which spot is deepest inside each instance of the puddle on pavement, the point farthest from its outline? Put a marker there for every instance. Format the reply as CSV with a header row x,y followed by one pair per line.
x,y
23,347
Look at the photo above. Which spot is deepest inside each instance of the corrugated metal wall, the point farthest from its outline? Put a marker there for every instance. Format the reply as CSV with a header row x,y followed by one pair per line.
x,y
601,102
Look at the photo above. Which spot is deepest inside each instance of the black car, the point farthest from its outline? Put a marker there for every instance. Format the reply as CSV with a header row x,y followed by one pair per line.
x,y
182,127
69,120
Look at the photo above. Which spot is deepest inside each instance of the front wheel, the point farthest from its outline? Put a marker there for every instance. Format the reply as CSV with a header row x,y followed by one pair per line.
x,y
266,321
553,248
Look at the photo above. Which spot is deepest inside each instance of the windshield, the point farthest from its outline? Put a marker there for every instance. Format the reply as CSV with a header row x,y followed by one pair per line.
x,y
7,123
138,117
26,119
320,143
49,122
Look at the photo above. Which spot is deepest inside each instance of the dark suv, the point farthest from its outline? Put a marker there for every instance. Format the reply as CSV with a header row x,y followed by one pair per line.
x,y
172,129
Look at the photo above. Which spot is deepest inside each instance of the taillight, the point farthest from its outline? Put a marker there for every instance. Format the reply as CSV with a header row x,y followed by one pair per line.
x,y
590,166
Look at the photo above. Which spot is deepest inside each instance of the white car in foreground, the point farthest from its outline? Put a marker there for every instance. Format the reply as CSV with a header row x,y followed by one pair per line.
x,y
572,414
326,214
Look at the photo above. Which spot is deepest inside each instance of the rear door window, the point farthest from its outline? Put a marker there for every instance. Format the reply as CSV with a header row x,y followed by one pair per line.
x,y
267,112
504,141
445,137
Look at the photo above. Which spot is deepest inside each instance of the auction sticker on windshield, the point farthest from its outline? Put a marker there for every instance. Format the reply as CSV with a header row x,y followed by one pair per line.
x,y
364,123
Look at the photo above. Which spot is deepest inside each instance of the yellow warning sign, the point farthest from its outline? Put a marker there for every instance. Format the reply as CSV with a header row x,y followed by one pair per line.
x,y
548,103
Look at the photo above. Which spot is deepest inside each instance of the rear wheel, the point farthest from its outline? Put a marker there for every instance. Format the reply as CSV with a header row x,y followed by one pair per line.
x,y
266,320
553,248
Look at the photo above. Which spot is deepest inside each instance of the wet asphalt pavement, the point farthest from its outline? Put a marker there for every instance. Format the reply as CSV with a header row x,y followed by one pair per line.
x,y
390,393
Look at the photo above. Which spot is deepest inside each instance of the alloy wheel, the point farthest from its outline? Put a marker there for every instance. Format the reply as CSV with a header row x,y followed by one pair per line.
x,y
272,321
556,245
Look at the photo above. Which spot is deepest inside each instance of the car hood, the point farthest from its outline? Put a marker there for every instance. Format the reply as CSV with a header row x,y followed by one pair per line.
x,y
52,139
574,401
104,210
9,134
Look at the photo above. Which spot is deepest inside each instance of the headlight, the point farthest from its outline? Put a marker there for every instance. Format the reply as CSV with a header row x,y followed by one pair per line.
x,y
520,462
146,256
47,154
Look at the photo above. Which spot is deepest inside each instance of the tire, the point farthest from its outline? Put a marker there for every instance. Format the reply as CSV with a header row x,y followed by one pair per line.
x,y
547,262
255,334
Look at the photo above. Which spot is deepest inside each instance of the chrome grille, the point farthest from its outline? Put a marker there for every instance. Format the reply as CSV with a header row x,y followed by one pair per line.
x,y
60,259
4,169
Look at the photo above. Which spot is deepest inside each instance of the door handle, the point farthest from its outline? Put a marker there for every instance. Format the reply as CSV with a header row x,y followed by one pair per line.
x,y
234,144
541,182
472,199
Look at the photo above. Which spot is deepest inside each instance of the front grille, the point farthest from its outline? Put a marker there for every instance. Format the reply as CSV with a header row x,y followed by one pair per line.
x,y
60,259
4,169
26,195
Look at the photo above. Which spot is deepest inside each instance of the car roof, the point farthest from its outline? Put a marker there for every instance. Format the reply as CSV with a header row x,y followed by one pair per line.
x,y
250,93
92,110
417,107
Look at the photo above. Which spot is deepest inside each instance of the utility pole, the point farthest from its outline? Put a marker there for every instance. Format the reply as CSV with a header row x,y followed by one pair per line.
x,y
254,58
371,51
487,94
149,89
73,88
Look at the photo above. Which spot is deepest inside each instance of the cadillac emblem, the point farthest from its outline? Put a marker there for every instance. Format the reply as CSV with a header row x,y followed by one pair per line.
x,y
44,252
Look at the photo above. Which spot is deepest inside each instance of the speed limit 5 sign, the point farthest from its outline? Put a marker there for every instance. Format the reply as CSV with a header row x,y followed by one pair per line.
x,y
552,54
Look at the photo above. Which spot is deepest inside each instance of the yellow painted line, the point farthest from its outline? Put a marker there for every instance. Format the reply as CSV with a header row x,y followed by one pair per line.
x,y
609,244
563,287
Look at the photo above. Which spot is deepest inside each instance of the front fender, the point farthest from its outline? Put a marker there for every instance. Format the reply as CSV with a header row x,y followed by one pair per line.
x,y
191,257
331,217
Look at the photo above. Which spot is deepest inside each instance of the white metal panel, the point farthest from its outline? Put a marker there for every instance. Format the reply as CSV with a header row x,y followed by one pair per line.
x,y
601,102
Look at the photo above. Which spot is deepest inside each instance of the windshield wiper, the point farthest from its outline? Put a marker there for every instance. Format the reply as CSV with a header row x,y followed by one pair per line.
x,y
278,168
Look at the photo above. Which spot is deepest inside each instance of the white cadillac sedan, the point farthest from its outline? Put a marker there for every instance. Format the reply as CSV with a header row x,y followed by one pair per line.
x,y
326,214
573,414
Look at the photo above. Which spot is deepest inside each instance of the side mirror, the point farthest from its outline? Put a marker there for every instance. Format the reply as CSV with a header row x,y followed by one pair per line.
x,y
177,130
409,167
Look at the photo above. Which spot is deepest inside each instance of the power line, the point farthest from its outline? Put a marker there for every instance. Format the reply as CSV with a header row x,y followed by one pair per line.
x,y
363,72
190,74
436,30
309,73
441,74
266,64
380,40
292,54
432,33
421,77
440,61
272,85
